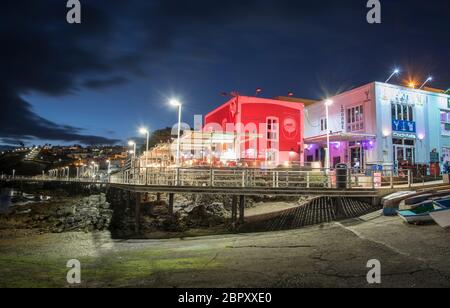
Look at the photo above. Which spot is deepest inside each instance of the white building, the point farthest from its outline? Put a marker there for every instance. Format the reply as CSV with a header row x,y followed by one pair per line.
x,y
380,124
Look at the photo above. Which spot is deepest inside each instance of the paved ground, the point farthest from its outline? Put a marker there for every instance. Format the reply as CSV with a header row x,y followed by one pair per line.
x,y
331,255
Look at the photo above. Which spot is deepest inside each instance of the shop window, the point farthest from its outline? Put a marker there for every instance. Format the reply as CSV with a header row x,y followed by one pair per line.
x,y
402,112
445,123
355,119
272,138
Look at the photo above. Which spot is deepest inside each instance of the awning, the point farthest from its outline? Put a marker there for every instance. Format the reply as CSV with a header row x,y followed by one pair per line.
x,y
339,137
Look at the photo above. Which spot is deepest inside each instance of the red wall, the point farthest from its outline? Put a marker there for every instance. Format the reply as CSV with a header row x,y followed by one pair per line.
x,y
252,110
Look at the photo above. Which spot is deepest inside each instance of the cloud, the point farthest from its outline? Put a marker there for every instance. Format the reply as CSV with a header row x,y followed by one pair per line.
x,y
42,53
97,84
329,40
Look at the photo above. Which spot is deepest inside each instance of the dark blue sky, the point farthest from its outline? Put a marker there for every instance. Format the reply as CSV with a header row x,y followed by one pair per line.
x,y
99,81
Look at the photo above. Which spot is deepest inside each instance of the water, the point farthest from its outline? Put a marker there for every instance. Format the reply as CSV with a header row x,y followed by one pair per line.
x,y
6,199
10,197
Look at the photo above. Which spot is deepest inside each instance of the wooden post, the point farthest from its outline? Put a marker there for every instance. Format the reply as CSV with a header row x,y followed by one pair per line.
x,y
171,199
391,178
137,214
409,179
241,209
234,211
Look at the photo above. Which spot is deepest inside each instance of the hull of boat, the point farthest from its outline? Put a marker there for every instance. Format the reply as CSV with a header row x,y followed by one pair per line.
x,y
411,219
442,218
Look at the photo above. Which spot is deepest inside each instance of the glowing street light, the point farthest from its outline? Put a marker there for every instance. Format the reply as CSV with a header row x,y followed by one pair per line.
x,y
144,131
131,143
395,72
429,79
328,103
176,103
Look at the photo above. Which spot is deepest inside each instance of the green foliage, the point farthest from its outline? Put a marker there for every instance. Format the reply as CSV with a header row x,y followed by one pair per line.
x,y
159,136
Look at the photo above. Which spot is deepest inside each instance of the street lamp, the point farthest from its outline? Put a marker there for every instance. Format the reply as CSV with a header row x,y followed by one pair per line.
x,y
396,72
328,103
426,81
176,103
146,132
131,143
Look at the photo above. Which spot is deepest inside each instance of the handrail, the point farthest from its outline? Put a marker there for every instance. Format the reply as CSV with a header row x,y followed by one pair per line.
x,y
246,178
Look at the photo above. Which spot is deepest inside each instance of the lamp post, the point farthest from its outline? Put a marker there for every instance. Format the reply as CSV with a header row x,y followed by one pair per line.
x,y
426,81
396,72
328,103
146,132
131,143
176,103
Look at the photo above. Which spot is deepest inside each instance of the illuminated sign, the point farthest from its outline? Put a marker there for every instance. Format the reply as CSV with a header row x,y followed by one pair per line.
x,y
404,126
404,136
399,95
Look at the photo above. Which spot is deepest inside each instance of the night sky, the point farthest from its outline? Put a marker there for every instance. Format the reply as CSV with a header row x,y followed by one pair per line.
x,y
99,81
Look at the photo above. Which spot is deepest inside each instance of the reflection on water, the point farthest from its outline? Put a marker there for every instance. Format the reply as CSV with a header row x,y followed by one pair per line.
x,y
10,197
5,199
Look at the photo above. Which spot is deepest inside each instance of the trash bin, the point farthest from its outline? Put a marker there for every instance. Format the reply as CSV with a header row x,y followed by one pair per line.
x,y
341,176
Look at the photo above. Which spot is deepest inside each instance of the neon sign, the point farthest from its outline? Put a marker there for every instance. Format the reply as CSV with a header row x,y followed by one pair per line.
x,y
404,126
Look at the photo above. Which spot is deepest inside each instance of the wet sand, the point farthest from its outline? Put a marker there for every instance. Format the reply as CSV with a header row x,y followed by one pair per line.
x,y
329,255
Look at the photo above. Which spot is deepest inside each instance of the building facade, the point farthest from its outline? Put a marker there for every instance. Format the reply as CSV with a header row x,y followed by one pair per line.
x,y
380,124
268,132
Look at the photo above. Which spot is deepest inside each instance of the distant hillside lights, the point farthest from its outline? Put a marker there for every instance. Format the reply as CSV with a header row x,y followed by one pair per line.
x,y
74,14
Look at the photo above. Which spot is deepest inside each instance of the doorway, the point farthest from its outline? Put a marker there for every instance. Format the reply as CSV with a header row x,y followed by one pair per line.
x,y
404,154
356,156
404,151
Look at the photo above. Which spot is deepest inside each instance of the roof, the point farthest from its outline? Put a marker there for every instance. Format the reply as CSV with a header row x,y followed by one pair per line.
x,y
434,90
304,101
339,137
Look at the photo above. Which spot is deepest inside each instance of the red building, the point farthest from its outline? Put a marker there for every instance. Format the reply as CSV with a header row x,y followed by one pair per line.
x,y
267,131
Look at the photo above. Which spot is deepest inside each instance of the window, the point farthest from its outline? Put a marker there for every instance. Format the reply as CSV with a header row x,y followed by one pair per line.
x,y
445,123
272,133
355,119
402,112
323,124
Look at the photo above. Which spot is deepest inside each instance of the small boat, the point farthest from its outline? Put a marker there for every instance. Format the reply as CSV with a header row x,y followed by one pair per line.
x,y
442,216
420,213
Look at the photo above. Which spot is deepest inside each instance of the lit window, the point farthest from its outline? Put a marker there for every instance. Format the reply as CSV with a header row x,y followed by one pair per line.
x,y
355,119
445,123
402,112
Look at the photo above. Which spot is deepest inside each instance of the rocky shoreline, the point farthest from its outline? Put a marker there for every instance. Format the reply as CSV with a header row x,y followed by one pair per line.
x,y
107,211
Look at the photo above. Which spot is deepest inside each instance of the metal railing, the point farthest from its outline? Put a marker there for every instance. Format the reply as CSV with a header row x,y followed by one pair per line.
x,y
249,178
253,178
